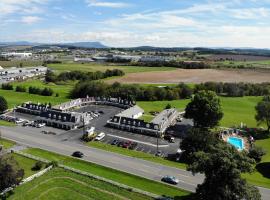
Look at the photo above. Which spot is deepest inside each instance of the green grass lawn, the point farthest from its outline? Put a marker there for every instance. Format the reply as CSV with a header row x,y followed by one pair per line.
x,y
17,98
61,184
261,176
16,63
62,90
26,164
236,109
115,175
92,67
6,143
136,154
256,64
5,123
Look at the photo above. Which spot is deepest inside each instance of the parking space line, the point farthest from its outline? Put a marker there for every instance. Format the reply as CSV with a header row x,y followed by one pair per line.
x,y
146,143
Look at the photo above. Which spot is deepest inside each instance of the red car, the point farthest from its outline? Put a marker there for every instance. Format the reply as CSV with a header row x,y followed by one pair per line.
x,y
126,144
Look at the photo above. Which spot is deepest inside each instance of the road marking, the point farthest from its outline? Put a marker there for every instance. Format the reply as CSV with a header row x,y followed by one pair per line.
x,y
146,143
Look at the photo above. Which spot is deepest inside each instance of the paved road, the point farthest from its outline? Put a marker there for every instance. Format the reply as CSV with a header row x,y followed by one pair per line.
x,y
127,164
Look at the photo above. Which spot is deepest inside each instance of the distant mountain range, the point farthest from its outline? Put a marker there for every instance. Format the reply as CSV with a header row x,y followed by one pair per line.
x,y
73,44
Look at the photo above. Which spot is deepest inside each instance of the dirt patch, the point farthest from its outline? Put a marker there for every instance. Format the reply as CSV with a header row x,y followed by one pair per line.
x,y
196,76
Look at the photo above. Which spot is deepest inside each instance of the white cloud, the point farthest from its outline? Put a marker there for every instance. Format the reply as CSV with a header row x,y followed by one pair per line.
x,y
30,19
97,3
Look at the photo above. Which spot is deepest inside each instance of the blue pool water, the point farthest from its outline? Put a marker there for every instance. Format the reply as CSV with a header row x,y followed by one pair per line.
x,y
236,142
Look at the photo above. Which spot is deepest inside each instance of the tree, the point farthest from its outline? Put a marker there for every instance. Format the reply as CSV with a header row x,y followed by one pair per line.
x,y
3,104
10,172
38,165
256,153
197,140
222,166
204,109
263,112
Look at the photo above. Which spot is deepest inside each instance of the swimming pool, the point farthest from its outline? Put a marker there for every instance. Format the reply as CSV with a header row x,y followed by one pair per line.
x,y
236,142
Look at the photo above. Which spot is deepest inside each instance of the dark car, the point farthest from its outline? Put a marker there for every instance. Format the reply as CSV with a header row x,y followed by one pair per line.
x,y
120,144
170,179
115,142
77,154
169,138
133,145
126,144
101,112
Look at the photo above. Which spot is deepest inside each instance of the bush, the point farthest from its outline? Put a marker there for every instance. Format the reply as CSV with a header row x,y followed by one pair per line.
x,y
52,163
20,89
38,166
256,153
7,86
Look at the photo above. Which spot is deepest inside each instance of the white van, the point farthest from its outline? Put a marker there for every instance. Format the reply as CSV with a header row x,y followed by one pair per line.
x,y
100,136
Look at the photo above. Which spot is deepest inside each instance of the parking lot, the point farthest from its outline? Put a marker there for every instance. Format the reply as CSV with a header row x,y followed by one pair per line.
x,y
144,143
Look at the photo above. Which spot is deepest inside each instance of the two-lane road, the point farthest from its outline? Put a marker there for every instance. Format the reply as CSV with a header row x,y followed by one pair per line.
x,y
120,162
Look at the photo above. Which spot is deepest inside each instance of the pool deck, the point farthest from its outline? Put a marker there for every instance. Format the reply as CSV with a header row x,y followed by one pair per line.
x,y
247,146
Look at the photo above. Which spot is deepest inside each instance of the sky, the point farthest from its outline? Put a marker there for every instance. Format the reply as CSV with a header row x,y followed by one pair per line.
x,y
125,23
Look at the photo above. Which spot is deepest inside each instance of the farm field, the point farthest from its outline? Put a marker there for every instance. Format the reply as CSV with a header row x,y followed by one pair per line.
x,y
115,175
264,64
92,67
195,76
136,154
61,184
236,109
236,57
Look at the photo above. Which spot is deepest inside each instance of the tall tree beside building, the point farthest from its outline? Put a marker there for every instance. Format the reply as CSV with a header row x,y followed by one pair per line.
x,y
204,109
263,112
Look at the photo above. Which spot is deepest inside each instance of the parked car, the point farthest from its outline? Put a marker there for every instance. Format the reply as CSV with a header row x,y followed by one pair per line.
x,y
115,142
169,138
101,112
159,153
133,145
170,180
126,144
100,136
120,144
77,154
40,125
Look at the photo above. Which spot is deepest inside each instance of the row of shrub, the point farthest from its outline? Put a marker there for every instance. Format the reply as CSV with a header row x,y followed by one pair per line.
x,y
31,90
173,63
132,92
235,89
82,76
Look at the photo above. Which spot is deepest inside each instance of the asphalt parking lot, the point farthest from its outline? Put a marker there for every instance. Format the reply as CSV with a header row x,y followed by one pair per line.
x,y
146,143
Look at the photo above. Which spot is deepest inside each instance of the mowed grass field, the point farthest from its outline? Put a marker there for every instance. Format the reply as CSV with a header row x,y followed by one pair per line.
x,y
236,109
112,174
6,143
26,164
92,67
60,184
17,98
16,63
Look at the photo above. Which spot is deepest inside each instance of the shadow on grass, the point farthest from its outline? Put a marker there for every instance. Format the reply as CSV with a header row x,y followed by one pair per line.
x,y
188,197
264,169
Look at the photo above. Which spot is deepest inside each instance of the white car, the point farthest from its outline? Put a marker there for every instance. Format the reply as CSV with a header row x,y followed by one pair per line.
x,y
100,136
40,125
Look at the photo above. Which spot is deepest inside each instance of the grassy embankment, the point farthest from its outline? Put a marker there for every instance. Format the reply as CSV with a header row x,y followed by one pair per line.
x,y
115,175
136,154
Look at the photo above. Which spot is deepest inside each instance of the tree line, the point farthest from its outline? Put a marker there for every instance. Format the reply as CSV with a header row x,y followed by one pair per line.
x,y
132,92
31,90
82,76
235,89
